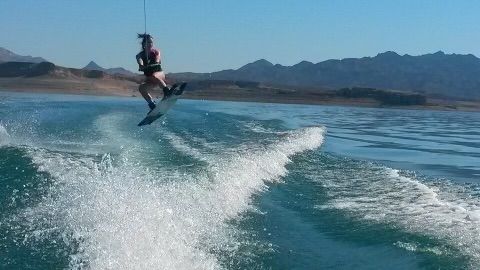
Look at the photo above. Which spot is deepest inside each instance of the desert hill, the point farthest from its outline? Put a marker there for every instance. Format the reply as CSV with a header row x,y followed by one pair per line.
x,y
118,70
9,56
46,76
452,76
263,82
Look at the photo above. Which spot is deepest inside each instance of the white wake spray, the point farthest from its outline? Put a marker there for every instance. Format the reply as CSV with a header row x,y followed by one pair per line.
x,y
380,194
4,136
126,217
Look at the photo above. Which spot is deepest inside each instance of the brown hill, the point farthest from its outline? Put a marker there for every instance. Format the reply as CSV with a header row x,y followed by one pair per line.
x,y
46,76
254,91
8,56
118,70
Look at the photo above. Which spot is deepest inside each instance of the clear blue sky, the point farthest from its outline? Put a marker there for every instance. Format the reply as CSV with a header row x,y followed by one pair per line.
x,y
211,35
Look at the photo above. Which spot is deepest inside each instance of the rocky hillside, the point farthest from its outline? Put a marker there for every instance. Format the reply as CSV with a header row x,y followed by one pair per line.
x,y
8,56
443,75
26,69
47,77
118,70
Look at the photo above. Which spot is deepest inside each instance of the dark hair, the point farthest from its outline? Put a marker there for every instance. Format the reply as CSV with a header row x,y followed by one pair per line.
x,y
145,38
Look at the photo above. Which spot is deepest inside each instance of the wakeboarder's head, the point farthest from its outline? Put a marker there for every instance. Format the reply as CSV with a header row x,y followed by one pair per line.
x,y
147,41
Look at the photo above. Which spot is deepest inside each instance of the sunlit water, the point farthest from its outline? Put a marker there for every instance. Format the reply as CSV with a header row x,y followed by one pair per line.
x,y
223,185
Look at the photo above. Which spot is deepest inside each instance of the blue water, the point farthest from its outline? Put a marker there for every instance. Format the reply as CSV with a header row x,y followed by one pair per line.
x,y
225,185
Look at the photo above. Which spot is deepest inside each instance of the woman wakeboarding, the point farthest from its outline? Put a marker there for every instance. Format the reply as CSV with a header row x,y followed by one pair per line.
x,y
149,61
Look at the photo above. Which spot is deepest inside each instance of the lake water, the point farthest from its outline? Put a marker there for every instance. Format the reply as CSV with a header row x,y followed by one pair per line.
x,y
225,185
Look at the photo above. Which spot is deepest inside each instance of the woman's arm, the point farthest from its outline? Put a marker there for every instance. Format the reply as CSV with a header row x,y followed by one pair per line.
x,y
139,59
141,66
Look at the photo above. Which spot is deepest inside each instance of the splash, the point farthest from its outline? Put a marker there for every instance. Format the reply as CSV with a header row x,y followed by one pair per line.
x,y
182,146
4,136
124,216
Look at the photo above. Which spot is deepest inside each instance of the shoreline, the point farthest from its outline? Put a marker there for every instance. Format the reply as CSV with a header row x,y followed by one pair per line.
x,y
433,105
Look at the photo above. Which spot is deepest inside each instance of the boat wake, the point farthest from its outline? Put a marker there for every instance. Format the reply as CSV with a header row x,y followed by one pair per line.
x,y
122,215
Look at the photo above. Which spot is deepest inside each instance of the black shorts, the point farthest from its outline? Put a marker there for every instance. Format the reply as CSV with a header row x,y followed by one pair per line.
x,y
152,69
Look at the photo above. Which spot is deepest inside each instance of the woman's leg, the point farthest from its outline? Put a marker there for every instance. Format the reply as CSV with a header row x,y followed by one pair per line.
x,y
158,78
144,89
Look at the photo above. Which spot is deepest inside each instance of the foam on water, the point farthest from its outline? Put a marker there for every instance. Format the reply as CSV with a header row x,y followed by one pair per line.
x,y
182,146
124,217
4,136
380,194
414,247
255,127
234,175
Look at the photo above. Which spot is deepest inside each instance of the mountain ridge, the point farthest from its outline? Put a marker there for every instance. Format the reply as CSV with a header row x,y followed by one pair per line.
x,y
9,56
47,77
453,76
450,75
118,70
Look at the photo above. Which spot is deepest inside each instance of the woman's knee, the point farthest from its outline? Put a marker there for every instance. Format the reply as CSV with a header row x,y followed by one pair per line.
x,y
143,88
154,80
160,75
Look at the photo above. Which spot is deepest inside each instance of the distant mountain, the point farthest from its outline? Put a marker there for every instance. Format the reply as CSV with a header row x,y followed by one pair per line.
x,y
93,66
29,70
454,76
119,70
47,77
8,56
438,74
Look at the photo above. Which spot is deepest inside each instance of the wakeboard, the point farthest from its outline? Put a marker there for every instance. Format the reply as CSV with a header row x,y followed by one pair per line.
x,y
163,105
